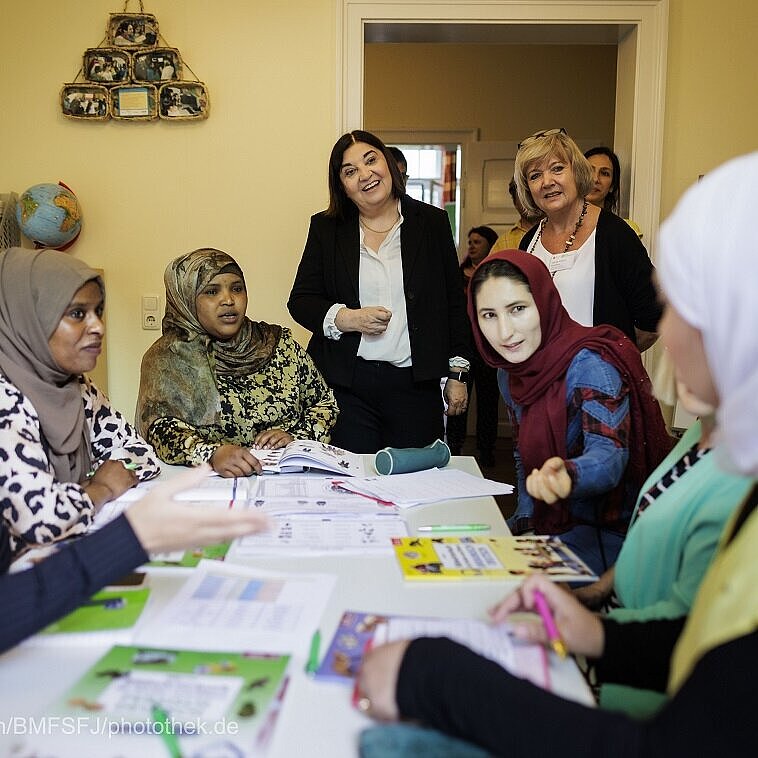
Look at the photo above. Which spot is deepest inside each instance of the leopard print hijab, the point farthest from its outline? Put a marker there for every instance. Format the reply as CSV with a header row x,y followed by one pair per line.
x,y
179,371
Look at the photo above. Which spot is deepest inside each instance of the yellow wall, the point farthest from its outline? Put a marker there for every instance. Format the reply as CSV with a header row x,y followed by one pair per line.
x,y
247,179
506,91
711,107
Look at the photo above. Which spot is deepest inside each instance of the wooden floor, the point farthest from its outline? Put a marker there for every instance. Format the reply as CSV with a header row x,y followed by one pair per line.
x,y
504,469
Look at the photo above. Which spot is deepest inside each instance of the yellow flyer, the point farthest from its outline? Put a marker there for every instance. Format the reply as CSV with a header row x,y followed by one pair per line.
x,y
446,558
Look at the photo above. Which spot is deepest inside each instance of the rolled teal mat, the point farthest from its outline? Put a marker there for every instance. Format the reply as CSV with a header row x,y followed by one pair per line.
x,y
403,460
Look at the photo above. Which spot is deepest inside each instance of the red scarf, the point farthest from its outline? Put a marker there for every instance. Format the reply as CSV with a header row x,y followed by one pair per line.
x,y
538,384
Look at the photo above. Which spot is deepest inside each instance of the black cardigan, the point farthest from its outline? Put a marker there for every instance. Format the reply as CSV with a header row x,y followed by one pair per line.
x,y
625,296
436,307
450,688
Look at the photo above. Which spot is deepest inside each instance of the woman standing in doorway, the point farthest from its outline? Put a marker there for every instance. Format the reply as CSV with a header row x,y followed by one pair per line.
x,y
378,285
597,262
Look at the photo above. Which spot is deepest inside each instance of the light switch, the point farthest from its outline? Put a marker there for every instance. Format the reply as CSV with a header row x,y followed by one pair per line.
x,y
150,316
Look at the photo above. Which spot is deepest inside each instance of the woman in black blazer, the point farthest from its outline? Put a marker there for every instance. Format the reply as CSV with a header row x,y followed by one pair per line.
x,y
379,287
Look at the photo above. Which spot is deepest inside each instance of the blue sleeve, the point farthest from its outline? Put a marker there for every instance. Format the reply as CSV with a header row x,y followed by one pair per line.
x,y
57,585
595,388
524,502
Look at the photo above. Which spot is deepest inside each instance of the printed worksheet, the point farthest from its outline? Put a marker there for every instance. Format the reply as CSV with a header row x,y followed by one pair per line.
x,y
230,607
527,661
315,533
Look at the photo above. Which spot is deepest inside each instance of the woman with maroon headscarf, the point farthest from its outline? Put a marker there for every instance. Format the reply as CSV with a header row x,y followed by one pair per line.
x,y
587,430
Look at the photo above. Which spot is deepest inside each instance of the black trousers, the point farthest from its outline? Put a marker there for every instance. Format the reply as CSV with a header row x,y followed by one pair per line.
x,y
384,407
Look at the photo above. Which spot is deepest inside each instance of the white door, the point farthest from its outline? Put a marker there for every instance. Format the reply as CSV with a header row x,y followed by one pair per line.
x,y
485,201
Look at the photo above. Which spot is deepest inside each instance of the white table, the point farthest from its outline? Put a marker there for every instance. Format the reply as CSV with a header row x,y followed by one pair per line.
x,y
317,718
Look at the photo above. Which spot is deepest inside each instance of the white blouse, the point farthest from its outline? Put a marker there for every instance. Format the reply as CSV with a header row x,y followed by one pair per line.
x,y
574,277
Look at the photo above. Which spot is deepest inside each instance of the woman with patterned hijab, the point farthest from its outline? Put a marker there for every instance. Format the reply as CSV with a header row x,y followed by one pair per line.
x,y
64,451
217,383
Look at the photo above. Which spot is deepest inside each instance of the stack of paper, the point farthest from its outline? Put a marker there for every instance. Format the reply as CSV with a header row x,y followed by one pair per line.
x,y
430,486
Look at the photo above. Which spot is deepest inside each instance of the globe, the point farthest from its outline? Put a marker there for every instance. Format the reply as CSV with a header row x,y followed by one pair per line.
x,y
49,215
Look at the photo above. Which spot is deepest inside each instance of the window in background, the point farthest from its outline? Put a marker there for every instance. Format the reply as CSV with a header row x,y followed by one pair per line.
x,y
434,173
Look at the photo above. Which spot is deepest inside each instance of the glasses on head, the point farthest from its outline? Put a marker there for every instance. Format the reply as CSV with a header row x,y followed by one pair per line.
x,y
539,135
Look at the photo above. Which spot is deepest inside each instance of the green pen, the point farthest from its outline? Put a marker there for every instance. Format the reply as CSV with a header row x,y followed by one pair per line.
x,y
128,465
166,732
455,528
312,665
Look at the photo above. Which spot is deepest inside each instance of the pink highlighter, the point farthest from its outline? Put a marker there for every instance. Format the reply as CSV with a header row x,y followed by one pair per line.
x,y
547,619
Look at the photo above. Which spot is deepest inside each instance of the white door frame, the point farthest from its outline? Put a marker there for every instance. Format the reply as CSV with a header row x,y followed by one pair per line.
x,y
641,75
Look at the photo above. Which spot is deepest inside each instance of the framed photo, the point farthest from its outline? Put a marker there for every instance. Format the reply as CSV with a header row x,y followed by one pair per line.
x,y
106,65
161,64
133,31
134,102
88,102
183,101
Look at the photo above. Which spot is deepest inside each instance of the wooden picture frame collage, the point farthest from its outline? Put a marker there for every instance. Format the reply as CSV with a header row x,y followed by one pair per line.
x,y
133,78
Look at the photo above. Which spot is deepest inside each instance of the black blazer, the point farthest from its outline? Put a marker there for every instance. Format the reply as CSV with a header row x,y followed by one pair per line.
x,y
328,274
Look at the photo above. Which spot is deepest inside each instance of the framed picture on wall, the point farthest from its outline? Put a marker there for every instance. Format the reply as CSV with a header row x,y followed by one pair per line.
x,y
88,102
136,102
106,65
183,101
133,31
161,64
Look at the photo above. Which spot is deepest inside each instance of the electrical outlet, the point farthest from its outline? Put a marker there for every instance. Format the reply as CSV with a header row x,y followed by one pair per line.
x,y
150,315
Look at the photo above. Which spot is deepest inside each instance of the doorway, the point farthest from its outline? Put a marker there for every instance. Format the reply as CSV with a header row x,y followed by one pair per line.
x,y
639,28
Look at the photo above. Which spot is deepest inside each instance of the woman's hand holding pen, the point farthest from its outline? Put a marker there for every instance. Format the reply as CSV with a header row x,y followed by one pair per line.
x,y
233,460
372,320
111,479
581,630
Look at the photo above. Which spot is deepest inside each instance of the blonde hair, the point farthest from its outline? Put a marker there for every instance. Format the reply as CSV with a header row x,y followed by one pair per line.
x,y
539,148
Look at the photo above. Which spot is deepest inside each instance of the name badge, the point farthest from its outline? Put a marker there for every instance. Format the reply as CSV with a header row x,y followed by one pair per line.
x,y
562,262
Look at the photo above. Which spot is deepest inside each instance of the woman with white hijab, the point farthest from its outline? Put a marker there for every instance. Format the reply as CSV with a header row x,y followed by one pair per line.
x,y
708,663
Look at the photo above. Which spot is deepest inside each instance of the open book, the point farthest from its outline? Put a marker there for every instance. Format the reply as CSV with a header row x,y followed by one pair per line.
x,y
357,631
302,455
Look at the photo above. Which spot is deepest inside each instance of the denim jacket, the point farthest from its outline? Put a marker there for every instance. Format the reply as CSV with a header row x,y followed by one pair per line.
x,y
597,433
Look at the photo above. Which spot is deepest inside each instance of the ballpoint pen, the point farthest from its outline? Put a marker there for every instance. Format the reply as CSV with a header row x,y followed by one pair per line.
x,y
454,528
340,487
312,664
128,465
547,619
166,731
